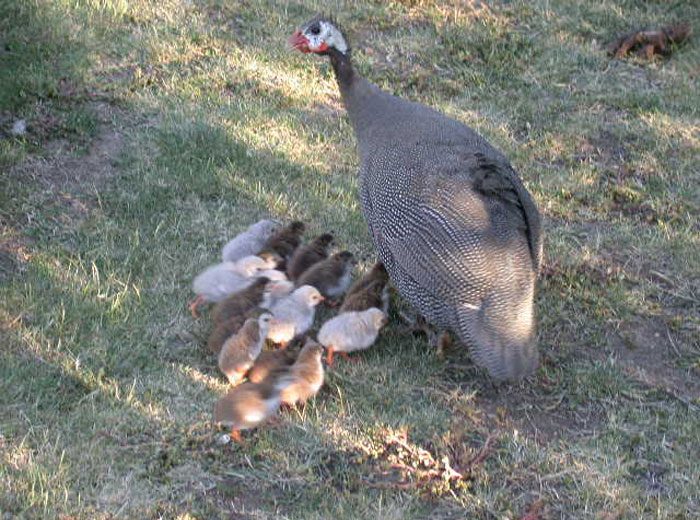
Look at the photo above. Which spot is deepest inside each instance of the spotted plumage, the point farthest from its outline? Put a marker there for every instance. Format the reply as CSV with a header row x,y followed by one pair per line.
x,y
453,224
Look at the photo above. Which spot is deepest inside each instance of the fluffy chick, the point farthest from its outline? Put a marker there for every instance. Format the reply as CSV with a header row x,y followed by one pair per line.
x,y
228,328
273,275
285,241
218,281
306,375
248,405
250,242
275,291
377,273
241,302
375,294
294,314
240,351
351,331
271,362
309,254
331,276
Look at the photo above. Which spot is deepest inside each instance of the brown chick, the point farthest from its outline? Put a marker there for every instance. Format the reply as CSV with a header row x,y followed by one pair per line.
x,y
271,362
308,255
373,295
306,375
241,302
248,405
331,276
378,272
285,242
240,351
228,328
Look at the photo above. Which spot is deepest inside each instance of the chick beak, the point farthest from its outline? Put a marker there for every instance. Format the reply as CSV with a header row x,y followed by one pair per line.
x,y
299,42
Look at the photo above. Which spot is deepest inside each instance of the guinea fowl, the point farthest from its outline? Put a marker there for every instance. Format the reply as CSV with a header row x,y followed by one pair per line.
x,y
331,276
308,255
453,224
250,242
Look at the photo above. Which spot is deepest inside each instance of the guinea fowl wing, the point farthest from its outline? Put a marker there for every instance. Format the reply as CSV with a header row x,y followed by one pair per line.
x,y
458,247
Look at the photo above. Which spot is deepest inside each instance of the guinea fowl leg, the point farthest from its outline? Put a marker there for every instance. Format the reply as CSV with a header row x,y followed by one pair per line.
x,y
199,300
236,436
418,324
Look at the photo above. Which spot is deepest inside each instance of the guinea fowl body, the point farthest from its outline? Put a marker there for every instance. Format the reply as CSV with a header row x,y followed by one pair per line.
x,y
305,375
284,242
240,350
250,242
331,277
372,290
241,302
228,328
307,255
271,362
351,331
373,295
376,274
294,314
248,405
457,231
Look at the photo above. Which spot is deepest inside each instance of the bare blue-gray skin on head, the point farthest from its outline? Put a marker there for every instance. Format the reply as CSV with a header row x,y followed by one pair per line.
x,y
456,229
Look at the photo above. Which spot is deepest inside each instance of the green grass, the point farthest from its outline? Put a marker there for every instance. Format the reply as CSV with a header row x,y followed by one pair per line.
x,y
157,130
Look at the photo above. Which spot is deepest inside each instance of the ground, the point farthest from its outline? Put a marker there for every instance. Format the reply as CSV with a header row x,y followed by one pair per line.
x,y
158,130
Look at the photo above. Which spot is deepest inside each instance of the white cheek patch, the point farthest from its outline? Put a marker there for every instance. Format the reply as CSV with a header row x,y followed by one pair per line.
x,y
335,39
328,35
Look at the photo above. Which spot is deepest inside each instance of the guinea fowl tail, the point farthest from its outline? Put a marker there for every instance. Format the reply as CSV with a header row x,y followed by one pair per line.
x,y
506,347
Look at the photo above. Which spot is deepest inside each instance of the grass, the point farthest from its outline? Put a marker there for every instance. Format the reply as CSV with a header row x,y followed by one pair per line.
x,y
157,130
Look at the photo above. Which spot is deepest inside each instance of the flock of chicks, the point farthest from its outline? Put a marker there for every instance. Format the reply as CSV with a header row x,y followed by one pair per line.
x,y
265,292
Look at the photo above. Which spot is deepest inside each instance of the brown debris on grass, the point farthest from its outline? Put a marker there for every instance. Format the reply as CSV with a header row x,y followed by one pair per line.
x,y
404,465
647,44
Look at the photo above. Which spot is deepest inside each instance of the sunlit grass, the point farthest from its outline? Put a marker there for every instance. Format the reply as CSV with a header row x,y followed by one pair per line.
x,y
106,392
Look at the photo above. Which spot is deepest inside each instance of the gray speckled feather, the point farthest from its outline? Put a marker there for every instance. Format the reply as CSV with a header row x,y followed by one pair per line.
x,y
456,229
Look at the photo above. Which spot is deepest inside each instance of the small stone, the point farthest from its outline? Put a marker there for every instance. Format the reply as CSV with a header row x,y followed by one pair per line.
x,y
19,127
223,439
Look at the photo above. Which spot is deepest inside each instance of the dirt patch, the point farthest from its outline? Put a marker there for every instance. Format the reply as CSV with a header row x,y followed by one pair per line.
x,y
68,174
539,416
534,408
646,351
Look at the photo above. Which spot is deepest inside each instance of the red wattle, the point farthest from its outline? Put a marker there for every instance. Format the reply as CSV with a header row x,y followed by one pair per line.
x,y
299,42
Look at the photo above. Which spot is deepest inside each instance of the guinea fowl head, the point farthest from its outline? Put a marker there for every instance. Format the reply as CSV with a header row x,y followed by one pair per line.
x,y
319,35
265,320
345,258
324,240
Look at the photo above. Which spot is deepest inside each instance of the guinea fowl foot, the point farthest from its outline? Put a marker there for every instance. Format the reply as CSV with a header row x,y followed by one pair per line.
x,y
199,300
444,341
236,436
417,324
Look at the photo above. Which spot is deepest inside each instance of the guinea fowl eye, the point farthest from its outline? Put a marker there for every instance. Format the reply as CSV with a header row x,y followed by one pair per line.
x,y
315,30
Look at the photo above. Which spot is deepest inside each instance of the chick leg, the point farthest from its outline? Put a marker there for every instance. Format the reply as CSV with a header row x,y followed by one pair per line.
x,y
329,356
236,436
199,300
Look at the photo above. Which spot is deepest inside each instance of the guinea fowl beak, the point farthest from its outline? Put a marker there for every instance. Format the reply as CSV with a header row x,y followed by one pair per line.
x,y
299,42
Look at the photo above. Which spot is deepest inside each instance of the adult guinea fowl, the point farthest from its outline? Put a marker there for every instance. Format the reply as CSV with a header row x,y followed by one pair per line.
x,y
453,224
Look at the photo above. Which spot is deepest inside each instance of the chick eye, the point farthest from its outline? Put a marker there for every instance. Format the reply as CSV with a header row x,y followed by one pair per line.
x,y
315,30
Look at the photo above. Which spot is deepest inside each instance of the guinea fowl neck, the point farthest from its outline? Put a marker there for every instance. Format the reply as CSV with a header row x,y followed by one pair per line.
x,y
342,66
354,89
